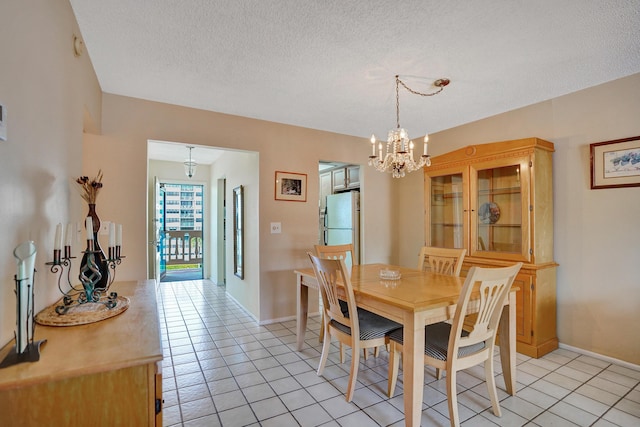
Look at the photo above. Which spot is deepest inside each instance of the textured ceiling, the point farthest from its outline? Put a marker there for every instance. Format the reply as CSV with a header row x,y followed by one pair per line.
x,y
330,64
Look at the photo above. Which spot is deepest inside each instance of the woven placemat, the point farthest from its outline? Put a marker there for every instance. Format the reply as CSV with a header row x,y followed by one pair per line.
x,y
81,314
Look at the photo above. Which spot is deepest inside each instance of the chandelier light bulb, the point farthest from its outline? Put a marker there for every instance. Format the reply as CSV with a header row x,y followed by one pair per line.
x,y
373,145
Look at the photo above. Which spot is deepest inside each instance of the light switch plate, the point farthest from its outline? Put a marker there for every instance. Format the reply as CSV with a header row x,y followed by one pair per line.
x,y
276,228
104,227
3,122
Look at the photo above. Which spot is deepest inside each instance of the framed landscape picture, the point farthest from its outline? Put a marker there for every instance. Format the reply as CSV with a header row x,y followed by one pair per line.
x,y
615,163
291,186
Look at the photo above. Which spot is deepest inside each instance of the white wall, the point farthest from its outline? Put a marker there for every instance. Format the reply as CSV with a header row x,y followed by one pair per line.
x,y
49,95
242,168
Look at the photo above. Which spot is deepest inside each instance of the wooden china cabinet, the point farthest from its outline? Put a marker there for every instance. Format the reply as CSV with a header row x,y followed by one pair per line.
x,y
496,200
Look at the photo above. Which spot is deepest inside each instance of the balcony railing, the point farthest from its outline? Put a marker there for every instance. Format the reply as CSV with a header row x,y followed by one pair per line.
x,y
182,247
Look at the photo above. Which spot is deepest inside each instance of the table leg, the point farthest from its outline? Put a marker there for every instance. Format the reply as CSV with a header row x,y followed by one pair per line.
x,y
302,311
507,338
413,368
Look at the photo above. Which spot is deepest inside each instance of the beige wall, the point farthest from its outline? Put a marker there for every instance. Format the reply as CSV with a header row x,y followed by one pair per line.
x,y
597,237
52,95
128,123
47,92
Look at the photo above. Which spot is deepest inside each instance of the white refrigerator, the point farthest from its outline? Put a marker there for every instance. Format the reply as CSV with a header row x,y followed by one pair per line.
x,y
342,221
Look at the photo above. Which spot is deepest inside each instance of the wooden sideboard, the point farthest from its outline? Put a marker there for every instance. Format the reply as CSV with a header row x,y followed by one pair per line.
x,y
106,373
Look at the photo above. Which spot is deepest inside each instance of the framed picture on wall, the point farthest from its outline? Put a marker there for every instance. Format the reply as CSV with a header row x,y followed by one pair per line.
x,y
615,163
291,186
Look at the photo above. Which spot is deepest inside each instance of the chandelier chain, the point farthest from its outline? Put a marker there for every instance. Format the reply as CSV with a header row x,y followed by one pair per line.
x,y
415,92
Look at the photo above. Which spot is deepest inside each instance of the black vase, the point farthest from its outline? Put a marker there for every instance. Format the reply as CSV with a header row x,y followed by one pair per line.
x,y
100,258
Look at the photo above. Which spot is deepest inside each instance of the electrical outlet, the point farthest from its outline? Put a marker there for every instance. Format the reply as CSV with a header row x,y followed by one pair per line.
x,y
276,228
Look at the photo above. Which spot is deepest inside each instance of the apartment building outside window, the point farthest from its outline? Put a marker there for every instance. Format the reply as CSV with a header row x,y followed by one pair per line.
x,y
183,207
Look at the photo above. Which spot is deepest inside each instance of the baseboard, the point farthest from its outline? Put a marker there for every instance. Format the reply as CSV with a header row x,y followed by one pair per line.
x,y
284,319
600,356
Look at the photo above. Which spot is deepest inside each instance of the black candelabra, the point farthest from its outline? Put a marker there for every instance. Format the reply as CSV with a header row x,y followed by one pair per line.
x,y
89,290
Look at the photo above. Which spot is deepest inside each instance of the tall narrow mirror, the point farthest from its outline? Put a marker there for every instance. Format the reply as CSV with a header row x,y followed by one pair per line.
x,y
238,231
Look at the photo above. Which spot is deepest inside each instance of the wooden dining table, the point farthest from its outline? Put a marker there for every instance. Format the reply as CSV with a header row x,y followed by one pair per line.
x,y
417,299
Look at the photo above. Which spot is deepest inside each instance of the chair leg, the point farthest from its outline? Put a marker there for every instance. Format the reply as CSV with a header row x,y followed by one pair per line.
x,y
376,352
452,397
491,385
325,352
394,363
353,375
438,373
365,353
321,333
341,353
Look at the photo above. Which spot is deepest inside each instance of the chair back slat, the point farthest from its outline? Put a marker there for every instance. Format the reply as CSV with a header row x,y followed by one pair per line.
x,y
494,285
441,260
344,252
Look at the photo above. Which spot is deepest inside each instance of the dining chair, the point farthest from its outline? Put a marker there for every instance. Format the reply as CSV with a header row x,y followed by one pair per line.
x,y
452,348
441,260
344,252
358,328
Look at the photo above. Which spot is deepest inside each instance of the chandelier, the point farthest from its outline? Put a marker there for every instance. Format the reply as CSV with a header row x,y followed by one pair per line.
x,y
398,159
190,165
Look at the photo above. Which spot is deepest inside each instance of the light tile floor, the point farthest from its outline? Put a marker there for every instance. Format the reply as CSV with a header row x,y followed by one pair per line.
x,y
221,368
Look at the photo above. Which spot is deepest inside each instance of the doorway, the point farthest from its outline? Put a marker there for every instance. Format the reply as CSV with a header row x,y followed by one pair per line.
x,y
339,217
181,238
221,278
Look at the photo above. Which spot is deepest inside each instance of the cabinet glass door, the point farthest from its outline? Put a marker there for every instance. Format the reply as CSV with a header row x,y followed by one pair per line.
x,y
500,223
446,211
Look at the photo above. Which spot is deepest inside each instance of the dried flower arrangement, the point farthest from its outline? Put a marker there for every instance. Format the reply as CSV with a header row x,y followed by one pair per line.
x,y
90,188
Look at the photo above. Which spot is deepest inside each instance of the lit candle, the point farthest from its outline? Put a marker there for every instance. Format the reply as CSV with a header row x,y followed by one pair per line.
x,y
112,234
119,235
89,225
380,151
57,243
426,139
411,148
373,145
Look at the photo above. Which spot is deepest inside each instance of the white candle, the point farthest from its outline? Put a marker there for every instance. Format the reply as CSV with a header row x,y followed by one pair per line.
x,y
411,148
68,235
380,151
373,145
426,139
57,243
89,225
112,234
119,235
